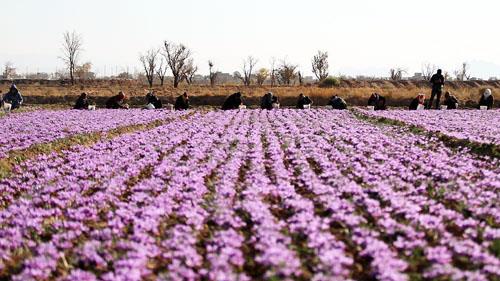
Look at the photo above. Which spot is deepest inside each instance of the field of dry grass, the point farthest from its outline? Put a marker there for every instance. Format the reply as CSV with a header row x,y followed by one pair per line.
x,y
355,92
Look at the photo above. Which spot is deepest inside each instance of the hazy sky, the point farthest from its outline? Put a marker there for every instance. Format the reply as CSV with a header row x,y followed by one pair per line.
x,y
362,37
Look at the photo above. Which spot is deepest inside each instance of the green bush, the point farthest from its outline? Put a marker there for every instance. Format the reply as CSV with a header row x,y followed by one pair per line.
x,y
330,81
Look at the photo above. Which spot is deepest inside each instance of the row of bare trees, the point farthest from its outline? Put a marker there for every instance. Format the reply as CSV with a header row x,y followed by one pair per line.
x,y
461,74
176,57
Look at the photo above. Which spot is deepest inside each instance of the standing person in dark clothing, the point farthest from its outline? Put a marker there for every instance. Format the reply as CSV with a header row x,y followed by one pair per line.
x,y
182,102
303,100
13,97
151,98
82,102
419,100
232,102
337,103
450,101
377,101
486,99
267,101
437,82
116,102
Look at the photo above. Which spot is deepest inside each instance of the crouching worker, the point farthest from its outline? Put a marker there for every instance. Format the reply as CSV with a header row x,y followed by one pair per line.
x,y
377,101
232,102
13,97
82,102
417,102
337,103
182,102
486,99
152,99
269,101
303,100
450,101
116,102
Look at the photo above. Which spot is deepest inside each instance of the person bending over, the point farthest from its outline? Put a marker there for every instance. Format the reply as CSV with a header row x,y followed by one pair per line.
x,y
82,102
450,101
116,102
303,100
377,101
266,101
486,99
13,97
232,102
151,98
182,102
418,101
337,103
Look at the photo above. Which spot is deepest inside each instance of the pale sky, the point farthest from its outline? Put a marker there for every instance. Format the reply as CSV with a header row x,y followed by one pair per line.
x,y
362,37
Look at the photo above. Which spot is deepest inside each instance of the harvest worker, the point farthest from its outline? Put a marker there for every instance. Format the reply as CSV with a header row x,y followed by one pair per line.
x,y
82,102
232,102
377,101
267,101
450,101
182,102
486,99
303,100
151,98
419,100
13,97
116,102
437,82
337,103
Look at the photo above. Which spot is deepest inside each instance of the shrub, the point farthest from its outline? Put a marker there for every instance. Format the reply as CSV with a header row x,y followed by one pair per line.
x,y
330,81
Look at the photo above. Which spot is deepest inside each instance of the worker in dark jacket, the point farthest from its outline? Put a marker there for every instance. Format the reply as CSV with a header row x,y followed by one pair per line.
x,y
486,99
151,98
13,97
116,102
182,102
232,102
418,101
82,102
377,101
337,103
303,100
437,83
450,101
267,101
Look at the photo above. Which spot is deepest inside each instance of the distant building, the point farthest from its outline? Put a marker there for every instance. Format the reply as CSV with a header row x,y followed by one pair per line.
x,y
417,77
493,78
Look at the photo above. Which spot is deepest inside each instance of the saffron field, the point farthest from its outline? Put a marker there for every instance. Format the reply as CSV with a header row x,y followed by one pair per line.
x,y
250,195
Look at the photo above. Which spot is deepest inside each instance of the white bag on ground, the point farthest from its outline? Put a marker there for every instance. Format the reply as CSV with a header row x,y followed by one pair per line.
x,y
483,107
169,106
420,107
276,105
7,107
242,106
370,108
444,107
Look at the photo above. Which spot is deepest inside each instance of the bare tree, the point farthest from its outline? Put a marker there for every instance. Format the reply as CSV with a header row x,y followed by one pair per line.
x,y
149,61
301,79
188,71
428,70
71,48
286,73
261,76
462,74
212,75
9,70
397,73
161,71
272,72
248,65
320,65
177,56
